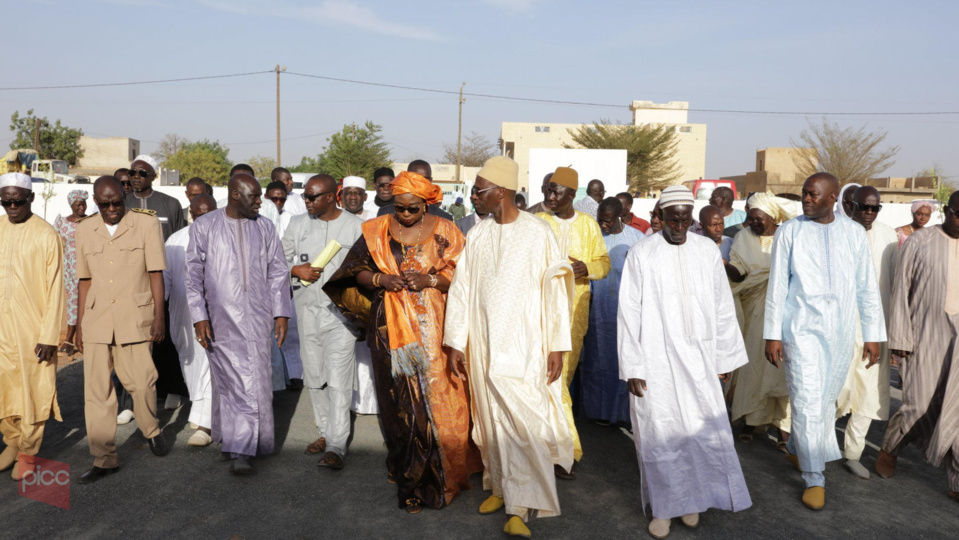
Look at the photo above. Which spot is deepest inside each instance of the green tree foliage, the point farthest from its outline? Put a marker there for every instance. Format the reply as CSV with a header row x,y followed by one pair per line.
x,y
263,165
849,154
206,159
57,141
650,151
474,151
355,151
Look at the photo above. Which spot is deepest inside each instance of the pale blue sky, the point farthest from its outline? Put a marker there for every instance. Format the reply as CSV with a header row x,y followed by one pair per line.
x,y
848,56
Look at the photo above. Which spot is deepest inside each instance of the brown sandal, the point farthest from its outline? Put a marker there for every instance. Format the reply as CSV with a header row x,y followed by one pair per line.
x,y
317,447
390,479
414,506
331,460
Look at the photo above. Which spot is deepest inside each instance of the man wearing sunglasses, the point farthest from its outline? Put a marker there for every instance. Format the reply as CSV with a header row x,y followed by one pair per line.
x,y
168,210
295,205
170,214
31,284
120,263
123,175
866,393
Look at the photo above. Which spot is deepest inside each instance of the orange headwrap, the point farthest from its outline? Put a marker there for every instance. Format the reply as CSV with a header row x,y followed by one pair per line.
x,y
417,184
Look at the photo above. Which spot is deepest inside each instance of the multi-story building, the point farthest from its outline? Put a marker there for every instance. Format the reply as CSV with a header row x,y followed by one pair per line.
x,y
518,138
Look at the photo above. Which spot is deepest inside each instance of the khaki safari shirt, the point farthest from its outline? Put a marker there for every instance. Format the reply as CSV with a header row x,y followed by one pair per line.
x,y
119,306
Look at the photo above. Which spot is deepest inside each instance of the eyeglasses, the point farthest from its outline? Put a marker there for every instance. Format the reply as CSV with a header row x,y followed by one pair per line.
x,y
126,184
412,210
110,204
868,207
383,185
278,199
312,198
142,173
19,203
475,191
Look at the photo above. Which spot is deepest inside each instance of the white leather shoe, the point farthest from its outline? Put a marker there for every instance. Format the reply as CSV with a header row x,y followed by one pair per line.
x,y
659,528
200,438
125,417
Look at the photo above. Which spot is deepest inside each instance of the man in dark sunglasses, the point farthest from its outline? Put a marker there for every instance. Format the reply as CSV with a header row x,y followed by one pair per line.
x,y
168,211
33,299
866,393
120,263
123,175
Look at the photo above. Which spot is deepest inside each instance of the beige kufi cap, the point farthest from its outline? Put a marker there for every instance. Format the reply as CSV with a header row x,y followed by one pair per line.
x,y
502,171
566,176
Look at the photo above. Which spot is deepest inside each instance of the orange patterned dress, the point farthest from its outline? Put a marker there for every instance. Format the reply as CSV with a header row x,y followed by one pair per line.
x,y
423,408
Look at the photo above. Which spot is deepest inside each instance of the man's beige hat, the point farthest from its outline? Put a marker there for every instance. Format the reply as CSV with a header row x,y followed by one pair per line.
x,y
566,176
502,171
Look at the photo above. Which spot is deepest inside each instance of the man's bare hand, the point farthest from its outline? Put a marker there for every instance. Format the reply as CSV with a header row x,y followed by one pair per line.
x,y
78,338
158,329
554,367
457,362
305,272
280,326
579,268
45,353
204,333
724,377
774,352
870,353
636,387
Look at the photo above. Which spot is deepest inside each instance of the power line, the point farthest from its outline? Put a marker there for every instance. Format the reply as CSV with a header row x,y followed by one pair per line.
x,y
484,96
133,83
609,105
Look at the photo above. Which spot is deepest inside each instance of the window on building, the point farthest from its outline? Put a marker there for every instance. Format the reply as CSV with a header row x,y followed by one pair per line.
x,y
685,129
542,129
509,150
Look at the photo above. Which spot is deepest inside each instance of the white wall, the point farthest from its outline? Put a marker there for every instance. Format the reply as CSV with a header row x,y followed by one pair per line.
x,y
607,165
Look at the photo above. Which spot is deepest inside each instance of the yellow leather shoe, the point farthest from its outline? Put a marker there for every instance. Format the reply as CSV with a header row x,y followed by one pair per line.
x,y
814,498
516,527
8,457
491,504
794,459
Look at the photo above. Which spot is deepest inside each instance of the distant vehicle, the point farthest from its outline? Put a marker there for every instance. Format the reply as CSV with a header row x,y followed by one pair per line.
x,y
703,189
18,160
55,171
300,178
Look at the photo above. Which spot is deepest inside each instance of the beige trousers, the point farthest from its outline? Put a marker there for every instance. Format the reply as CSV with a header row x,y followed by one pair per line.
x,y
133,364
26,437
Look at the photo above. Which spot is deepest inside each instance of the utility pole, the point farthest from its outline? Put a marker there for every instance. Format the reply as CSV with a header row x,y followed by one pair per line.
x,y
36,136
459,135
278,70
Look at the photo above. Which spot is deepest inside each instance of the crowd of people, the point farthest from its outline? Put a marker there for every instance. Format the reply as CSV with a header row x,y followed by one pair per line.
x,y
471,334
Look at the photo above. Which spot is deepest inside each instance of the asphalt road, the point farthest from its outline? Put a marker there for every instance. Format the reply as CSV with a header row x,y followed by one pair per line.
x,y
188,493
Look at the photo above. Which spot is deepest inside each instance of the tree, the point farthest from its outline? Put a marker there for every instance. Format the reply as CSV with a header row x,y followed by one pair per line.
x,y
474,151
849,154
650,151
205,159
170,144
355,151
263,165
57,141
307,165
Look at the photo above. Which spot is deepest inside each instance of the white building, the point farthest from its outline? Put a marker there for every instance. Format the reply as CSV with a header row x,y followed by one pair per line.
x,y
517,138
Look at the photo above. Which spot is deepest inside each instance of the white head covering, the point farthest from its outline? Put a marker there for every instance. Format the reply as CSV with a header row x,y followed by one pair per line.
x,y
839,211
674,196
16,179
777,208
149,161
354,181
